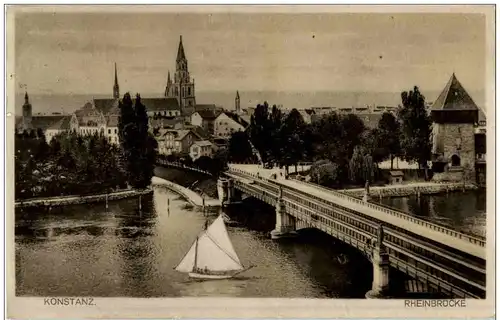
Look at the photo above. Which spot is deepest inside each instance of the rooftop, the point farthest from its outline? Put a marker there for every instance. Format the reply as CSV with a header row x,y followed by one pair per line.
x,y
62,124
454,97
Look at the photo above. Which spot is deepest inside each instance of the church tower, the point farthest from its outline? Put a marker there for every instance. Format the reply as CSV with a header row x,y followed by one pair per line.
x,y
454,115
27,113
182,87
116,88
237,105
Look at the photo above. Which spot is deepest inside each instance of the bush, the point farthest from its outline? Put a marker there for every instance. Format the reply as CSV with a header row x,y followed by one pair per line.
x,y
326,173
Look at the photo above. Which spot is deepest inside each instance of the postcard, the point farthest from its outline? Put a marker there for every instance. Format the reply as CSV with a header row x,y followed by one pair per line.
x,y
238,161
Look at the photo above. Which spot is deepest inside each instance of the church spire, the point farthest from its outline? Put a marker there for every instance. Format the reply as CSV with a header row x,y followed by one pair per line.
x,y
180,52
237,105
116,88
168,78
26,98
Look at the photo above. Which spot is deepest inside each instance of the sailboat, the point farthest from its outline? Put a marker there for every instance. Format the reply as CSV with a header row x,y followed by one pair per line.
x,y
212,255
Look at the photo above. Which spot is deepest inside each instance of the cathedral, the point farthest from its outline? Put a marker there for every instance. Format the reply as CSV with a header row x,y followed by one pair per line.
x,y
182,88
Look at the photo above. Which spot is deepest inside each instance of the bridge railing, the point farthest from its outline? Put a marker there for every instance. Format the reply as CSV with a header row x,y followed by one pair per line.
x,y
402,215
182,166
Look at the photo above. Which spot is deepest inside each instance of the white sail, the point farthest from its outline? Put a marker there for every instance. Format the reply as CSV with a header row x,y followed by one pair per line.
x,y
215,250
187,263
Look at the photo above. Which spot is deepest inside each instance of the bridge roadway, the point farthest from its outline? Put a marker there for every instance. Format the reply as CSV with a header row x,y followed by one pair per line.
x,y
444,258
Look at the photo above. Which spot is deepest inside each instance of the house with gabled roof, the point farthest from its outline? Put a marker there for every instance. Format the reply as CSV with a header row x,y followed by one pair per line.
x,y
205,118
227,123
202,148
56,128
177,141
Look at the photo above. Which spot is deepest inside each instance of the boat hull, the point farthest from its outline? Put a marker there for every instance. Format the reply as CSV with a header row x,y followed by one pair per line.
x,y
210,276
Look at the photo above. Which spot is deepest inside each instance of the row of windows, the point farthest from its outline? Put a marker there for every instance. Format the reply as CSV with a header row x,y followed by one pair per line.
x,y
91,131
183,91
165,113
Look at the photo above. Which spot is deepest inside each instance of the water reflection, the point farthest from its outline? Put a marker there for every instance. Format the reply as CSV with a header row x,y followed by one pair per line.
x,y
90,251
464,211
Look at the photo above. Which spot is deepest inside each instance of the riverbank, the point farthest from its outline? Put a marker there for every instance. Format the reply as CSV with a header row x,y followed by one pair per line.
x,y
410,189
69,200
191,196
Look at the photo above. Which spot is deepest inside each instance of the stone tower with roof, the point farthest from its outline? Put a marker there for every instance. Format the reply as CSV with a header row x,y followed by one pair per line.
x,y
116,88
182,87
454,116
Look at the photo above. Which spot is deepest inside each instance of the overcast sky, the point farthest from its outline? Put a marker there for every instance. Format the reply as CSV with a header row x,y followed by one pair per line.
x,y
75,52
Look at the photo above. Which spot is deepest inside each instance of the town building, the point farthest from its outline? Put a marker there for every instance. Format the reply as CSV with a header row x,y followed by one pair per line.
x,y
227,123
203,148
455,116
56,128
29,122
177,141
205,119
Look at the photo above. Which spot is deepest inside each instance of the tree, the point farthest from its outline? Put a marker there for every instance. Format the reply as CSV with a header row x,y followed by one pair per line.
x,y
325,173
325,134
138,146
387,136
275,127
204,163
416,128
260,131
239,149
292,134
352,128
356,165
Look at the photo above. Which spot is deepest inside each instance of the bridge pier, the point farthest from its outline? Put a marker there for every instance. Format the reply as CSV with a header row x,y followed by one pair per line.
x,y
380,261
226,191
285,223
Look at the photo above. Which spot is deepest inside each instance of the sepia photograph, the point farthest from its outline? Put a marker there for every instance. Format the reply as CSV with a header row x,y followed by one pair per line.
x,y
315,154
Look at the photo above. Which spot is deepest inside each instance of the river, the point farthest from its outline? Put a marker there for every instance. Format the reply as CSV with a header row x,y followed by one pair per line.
x,y
83,250
86,250
462,211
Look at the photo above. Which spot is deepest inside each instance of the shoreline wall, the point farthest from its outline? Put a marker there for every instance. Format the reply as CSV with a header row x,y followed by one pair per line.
x,y
70,200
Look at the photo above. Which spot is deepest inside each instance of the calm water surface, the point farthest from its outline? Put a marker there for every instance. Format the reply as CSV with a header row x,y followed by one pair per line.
x,y
86,251
464,211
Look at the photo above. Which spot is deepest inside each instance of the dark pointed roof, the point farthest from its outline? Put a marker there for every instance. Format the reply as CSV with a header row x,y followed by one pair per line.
x,y
454,97
180,52
237,118
160,104
105,105
62,124
237,94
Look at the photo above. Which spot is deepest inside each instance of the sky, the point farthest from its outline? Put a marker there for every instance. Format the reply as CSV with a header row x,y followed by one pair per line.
x,y
65,53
